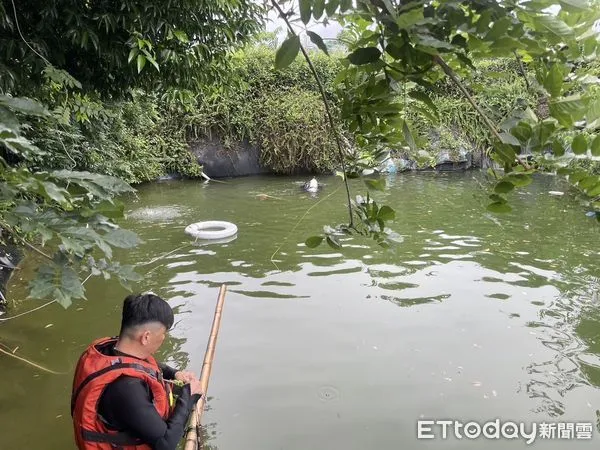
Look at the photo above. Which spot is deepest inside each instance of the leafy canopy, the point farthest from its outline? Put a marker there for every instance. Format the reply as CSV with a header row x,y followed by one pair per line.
x,y
59,60
111,46
393,43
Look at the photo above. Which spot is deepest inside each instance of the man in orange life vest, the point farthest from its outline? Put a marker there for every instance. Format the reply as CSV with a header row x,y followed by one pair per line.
x,y
120,399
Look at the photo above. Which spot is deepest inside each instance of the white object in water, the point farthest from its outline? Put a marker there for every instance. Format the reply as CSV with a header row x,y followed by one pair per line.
x,y
211,229
312,185
556,193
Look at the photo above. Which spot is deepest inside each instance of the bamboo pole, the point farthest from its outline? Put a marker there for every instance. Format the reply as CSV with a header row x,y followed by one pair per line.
x,y
192,438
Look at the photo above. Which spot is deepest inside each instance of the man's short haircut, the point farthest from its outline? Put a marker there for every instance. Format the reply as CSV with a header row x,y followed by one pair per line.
x,y
140,309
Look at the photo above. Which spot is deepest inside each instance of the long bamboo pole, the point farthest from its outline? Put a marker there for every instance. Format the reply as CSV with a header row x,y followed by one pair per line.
x,y
192,438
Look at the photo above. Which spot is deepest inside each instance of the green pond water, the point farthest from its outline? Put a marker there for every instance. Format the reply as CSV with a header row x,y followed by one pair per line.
x,y
472,317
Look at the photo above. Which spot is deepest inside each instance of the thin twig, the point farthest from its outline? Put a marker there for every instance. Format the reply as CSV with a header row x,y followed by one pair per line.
x,y
87,278
35,249
153,260
448,70
327,109
522,69
28,312
23,37
38,307
298,223
26,243
31,363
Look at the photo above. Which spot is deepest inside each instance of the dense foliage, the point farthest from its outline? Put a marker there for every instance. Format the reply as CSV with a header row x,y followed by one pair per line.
x,y
136,140
279,111
72,127
112,46
393,43
70,210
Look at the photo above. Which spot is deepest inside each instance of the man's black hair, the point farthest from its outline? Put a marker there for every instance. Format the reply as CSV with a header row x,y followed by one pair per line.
x,y
139,309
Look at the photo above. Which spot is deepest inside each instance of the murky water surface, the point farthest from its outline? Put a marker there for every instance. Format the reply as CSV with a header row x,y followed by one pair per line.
x,y
472,317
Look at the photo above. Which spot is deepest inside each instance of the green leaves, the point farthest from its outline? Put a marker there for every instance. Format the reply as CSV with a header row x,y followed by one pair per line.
x,y
423,97
592,115
386,213
504,153
499,204
150,58
431,45
553,80
132,54
318,41
408,137
189,36
20,146
331,7
579,144
333,242
101,187
181,36
142,52
141,62
287,52
55,193
509,139
504,187
568,110
364,55
552,24
63,210
575,5
519,179
58,281
378,184
595,147
557,148
331,239
499,207
305,10
318,8
23,105
122,238
409,18
313,241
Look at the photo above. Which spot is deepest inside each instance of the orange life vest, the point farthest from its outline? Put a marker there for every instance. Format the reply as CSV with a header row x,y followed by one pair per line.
x,y
93,374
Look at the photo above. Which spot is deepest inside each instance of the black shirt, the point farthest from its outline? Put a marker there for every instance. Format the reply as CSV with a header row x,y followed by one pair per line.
x,y
126,405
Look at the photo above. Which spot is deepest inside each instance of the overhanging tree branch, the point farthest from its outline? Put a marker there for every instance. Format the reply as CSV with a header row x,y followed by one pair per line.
x,y
448,71
327,109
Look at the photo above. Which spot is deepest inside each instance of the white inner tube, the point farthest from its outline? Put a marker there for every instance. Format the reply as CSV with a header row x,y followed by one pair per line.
x,y
211,229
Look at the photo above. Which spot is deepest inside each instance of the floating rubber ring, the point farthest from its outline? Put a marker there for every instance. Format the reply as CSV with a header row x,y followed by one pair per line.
x,y
211,229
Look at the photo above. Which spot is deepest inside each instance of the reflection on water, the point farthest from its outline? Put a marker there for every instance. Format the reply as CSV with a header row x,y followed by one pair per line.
x,y
497,317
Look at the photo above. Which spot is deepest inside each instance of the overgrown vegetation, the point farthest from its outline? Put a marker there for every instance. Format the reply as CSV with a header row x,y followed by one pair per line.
x,y
496,85
73,133
280,111
146,136
393,43
136,140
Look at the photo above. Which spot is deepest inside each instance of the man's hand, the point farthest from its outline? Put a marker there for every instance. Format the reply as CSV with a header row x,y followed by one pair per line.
x,y
185,376
195,387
